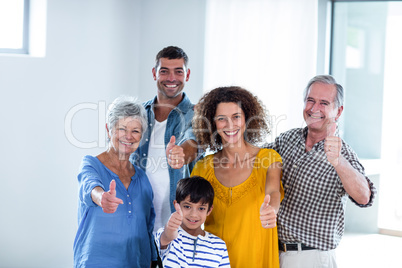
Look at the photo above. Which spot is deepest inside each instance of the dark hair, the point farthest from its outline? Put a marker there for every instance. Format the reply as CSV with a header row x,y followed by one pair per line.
x,y
171,52
198,188
204,127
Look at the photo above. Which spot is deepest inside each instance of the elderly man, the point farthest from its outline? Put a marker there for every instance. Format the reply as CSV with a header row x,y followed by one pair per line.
x,y
319,172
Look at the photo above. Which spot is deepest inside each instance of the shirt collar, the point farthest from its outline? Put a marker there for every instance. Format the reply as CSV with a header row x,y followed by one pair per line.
x,y
303,137
184,105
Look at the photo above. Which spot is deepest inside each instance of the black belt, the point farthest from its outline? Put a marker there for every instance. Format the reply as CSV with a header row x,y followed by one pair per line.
x,y
293,247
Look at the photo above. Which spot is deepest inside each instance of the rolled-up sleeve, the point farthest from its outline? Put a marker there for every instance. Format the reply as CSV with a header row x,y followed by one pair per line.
x,y
355,163
88,179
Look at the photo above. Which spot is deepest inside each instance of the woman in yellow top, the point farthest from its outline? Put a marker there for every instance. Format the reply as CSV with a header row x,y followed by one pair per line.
x,y
231,122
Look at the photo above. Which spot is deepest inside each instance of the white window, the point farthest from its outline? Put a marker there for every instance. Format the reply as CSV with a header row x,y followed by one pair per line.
x,y
366,60
14,26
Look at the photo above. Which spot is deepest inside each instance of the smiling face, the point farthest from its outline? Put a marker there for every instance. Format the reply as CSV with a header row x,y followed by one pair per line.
x,y
125,136
194,215
230,122
319,107
171,75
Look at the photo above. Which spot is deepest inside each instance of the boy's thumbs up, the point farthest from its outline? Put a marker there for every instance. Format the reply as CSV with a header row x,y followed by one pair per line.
x,y
178,209
172,226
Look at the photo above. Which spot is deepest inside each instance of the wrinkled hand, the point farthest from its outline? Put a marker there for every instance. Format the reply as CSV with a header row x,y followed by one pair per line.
x,y
267,214
332,145
109,201
174,154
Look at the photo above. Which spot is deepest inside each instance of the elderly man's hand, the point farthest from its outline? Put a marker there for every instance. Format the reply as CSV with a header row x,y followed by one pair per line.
x,y
332,145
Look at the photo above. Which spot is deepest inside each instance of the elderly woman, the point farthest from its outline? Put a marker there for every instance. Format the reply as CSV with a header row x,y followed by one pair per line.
x,y
232,122
115,211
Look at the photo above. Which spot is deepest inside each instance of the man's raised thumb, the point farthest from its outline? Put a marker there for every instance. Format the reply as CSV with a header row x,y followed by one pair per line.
x,y
172,140
331,129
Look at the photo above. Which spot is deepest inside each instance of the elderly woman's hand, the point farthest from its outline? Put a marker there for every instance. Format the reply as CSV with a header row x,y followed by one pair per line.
x,y
109,202
174,154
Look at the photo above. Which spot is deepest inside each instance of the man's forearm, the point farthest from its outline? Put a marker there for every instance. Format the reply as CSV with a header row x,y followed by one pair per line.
x,y
354,182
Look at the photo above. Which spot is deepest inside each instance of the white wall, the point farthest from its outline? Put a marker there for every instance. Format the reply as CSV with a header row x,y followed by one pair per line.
x,y
174,22
96,50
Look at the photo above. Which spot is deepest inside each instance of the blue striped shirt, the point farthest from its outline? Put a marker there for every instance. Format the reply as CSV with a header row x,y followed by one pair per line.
x,y
191,251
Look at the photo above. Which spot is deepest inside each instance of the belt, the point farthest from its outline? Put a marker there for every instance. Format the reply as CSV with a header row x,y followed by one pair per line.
x,y
293,247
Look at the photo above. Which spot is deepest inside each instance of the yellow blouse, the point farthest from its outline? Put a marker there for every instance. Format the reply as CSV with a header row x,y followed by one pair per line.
x,y
236,214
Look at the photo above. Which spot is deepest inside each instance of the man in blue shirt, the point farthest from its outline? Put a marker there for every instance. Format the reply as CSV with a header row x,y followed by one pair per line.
x,y
168,146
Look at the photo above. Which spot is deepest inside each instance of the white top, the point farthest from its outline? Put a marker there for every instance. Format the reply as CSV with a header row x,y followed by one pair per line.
x,y
158,174
193,251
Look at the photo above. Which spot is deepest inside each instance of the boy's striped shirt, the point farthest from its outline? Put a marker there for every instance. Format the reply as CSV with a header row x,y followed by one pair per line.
x,y
191,251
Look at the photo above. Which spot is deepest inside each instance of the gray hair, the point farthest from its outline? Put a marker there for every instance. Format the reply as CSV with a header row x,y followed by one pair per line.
x,y
326,79
125,106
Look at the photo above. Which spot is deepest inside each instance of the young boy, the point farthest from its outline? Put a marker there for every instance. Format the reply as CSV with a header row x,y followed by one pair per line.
x,y
182,241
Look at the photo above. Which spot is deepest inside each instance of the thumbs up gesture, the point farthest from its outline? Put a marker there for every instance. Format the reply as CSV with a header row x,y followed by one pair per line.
x,y
174,154
267,214
109,201
332,144
175,220
170,233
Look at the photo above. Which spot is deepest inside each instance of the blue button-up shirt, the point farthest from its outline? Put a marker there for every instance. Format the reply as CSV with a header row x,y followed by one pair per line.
x,y
120,239
178,125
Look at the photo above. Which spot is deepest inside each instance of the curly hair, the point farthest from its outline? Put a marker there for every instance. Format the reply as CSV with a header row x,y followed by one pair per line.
x,y
256,117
